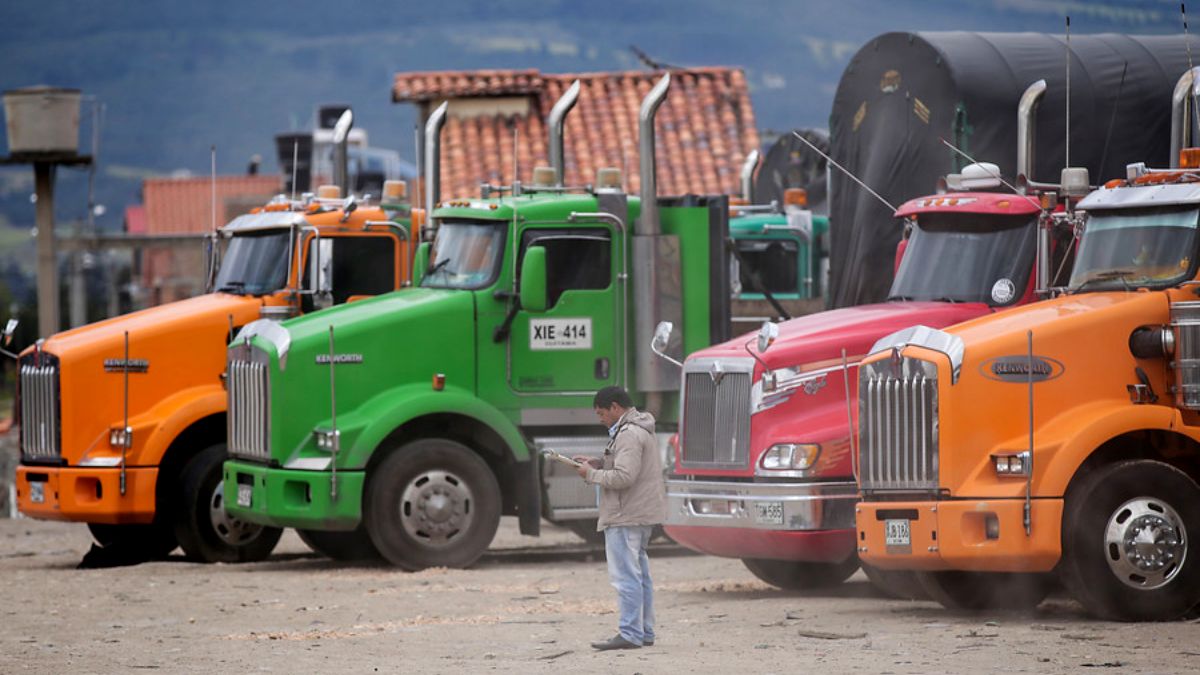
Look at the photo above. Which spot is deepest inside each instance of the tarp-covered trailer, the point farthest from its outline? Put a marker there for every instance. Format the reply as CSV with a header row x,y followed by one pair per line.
x,y
904,92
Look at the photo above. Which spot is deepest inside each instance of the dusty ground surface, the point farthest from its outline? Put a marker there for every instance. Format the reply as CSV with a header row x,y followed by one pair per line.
x,y
532,605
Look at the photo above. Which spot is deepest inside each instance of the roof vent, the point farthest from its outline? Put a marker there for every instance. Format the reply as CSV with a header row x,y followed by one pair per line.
x,y
980,176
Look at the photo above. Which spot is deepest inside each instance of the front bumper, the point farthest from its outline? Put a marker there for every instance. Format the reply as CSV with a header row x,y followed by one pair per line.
x,y
953,535
736,519
293,498
86,494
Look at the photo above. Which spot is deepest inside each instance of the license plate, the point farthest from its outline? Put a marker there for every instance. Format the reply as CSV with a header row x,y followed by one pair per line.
x,y
245,495
37,493
768,513
897,534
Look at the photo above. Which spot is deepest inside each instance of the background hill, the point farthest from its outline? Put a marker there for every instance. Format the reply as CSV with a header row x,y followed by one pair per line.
x,y
177,76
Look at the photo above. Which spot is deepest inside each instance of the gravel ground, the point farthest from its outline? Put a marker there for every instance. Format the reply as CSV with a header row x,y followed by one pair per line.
x,y
531,605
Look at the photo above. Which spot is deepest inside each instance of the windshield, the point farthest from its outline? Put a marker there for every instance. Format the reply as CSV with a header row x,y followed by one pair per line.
x,y
774,260
254,263
967,257
466,255
1139,247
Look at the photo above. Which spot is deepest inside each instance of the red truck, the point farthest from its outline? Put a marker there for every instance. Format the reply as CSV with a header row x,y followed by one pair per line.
x,y
763,468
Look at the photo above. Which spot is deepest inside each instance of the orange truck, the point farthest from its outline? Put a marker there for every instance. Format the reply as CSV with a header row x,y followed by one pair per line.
x,y
1058,438
122,422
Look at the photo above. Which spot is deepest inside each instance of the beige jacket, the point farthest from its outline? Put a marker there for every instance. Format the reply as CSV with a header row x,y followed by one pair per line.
x,y
632,491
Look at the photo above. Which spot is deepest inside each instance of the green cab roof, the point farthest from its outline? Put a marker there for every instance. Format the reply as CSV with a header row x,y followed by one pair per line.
x,y
529,206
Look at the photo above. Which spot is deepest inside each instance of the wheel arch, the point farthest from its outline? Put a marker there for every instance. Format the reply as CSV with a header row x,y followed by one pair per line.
x,y
1163,445
198,435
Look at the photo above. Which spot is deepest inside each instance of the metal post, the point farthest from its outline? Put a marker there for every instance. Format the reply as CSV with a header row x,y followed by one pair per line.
x,y
47,261
333,419
1028,514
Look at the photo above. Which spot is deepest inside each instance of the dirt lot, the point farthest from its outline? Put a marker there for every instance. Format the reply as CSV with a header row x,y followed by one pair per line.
x,y
532,605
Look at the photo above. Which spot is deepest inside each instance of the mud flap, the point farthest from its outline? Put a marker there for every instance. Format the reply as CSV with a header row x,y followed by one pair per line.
x,y
527,495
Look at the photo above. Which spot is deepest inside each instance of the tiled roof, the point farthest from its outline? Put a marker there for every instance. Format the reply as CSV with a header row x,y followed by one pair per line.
x,y
182,205
135,219
705,127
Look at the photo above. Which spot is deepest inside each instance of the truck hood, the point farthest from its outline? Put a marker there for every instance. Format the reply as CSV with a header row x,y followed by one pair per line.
x,y
176,347
822,336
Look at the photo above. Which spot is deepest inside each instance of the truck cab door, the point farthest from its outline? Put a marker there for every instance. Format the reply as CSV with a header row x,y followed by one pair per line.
x,y
343,267
570,347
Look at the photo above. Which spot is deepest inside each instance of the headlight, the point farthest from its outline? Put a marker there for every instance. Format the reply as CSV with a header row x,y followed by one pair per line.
x,y
1014,464
790,457
121,438
327,439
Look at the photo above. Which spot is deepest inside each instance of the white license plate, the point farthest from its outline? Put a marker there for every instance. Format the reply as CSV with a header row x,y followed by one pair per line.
x,y
245,494
897,533
768,513
37,493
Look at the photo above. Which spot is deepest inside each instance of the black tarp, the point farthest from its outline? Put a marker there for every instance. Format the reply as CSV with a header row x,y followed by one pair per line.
x,y
903,92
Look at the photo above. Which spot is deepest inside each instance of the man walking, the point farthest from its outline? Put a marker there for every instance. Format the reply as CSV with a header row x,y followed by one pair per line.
x,y
632,501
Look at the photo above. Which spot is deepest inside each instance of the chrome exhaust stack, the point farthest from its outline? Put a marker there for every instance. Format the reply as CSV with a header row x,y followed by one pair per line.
x,y
558,116
748,168
1183,103
341,152
433,160
1027,128
649,223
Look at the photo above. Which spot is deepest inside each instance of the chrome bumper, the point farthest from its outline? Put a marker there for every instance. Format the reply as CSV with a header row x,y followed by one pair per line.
x,y
805,506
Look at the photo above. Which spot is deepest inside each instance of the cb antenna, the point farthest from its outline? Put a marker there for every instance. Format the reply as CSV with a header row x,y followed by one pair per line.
x,y
212,207
845,171
295,160
1067,159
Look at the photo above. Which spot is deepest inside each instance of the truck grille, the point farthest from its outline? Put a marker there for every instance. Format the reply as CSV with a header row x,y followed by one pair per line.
x,y
249,403
716,412
40,424
898,425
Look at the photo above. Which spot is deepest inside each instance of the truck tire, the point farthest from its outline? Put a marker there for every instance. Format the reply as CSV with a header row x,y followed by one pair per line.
x,y
206,532
1126,538
792,575
957,589
432,503
351,546
134,543
897,584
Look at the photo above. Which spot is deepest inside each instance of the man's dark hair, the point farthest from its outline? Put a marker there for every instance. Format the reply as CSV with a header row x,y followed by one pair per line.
x,y
610,395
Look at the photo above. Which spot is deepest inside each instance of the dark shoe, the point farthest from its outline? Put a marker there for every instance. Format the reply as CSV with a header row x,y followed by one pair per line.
x,y
648,643
616,642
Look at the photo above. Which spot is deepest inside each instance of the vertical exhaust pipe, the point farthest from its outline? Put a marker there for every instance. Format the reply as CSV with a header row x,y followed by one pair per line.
x,y
341,152
433,160
1183,101
1027,127
648,223
748,168
558,116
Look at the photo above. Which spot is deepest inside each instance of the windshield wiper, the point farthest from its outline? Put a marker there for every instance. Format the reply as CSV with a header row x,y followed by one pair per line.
x,y
437,267
900,298
238,287
1107,275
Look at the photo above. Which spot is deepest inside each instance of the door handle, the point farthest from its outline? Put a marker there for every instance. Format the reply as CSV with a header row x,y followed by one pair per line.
x,y
602,368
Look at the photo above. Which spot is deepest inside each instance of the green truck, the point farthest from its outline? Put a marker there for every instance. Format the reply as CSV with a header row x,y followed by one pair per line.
x,y
778,255
407,424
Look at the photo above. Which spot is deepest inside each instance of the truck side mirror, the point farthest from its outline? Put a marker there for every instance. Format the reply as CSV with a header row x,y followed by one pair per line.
x,y
767,335
533,280
421,263
662,336
320,271
9,329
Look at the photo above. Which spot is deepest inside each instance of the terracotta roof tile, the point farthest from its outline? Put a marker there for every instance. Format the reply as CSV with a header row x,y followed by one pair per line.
x,y
181,205
705,127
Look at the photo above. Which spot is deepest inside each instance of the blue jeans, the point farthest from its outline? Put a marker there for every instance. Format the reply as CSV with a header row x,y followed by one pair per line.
x,y
629,573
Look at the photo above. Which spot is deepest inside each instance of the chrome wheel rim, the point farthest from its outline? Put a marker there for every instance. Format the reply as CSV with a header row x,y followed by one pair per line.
x,y
437,508
231,530
1145,543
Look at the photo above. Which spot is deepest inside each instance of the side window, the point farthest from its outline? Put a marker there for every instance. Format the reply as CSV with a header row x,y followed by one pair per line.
x,y
775,260
359,266
576,260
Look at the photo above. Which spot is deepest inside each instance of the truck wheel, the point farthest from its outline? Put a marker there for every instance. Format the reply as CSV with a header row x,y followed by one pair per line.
x,y
432,503
345,546
957,589
140,543
586,530
792,575
206,532
898,584
1126,535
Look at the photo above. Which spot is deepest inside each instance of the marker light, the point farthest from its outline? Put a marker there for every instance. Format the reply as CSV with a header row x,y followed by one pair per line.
x,y
795,197
439,381
790,457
